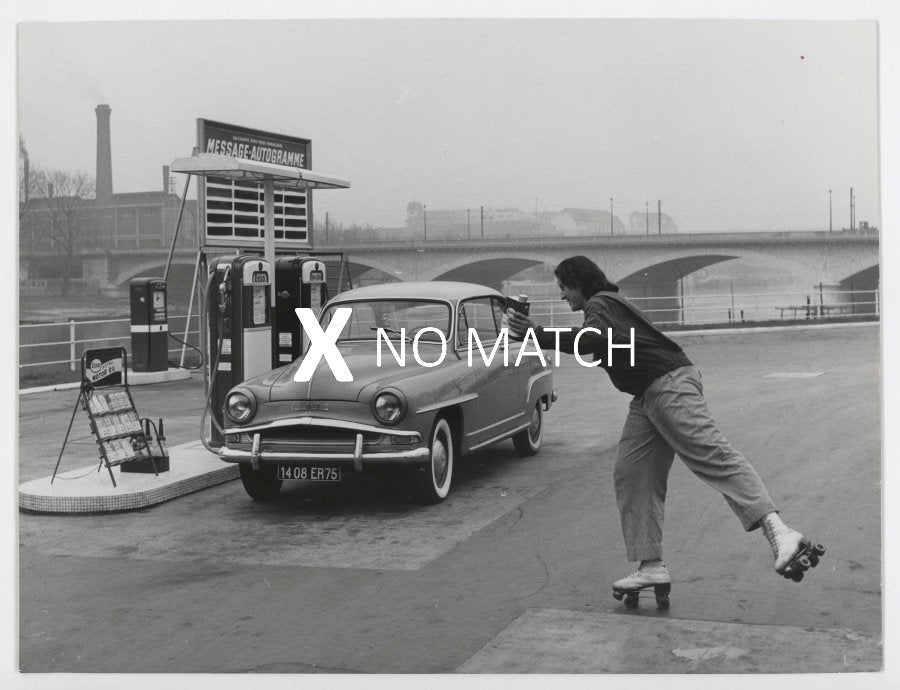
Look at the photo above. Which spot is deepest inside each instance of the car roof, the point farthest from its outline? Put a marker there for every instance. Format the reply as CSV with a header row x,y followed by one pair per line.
x,y
443,290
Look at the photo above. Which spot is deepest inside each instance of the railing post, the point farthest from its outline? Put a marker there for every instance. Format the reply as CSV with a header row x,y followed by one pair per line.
x,y
72,366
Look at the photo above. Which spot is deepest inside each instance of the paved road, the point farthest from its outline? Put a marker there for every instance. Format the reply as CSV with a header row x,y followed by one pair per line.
x,y
359,579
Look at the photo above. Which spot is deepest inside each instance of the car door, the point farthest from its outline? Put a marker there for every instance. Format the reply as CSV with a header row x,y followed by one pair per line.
x,y
497,384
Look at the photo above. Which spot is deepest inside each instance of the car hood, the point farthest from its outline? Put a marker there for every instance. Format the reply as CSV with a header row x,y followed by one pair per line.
x,y
361,360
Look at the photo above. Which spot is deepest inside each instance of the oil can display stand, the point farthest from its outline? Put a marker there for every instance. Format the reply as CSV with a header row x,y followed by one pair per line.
x,y
121,435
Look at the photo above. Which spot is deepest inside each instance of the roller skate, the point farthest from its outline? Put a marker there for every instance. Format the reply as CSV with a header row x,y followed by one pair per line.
x,y
794,554
655,576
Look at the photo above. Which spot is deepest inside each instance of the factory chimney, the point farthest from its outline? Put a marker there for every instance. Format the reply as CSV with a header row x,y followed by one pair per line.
x,y
104,154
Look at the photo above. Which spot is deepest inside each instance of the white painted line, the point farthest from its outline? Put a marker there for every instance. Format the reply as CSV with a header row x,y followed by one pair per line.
x,y
794,375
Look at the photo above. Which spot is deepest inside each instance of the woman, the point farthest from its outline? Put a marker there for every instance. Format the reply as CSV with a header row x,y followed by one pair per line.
x,y
667,415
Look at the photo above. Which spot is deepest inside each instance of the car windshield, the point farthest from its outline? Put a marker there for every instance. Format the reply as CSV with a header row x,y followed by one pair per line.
x,y
395,317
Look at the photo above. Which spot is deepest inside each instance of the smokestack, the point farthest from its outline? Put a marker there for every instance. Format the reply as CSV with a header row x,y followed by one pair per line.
x,y
26,175
165,179
104,153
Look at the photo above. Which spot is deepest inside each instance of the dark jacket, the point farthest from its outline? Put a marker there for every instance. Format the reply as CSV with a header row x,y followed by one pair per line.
x,y
654,353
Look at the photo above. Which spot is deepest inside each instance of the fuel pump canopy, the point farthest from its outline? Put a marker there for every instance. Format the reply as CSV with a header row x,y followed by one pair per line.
x,y
228,167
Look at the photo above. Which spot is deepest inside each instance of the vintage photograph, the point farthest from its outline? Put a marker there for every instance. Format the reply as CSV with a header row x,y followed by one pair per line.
x,y
431,346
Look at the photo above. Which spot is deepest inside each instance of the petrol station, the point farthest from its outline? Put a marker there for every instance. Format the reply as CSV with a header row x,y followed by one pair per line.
x,y
255,265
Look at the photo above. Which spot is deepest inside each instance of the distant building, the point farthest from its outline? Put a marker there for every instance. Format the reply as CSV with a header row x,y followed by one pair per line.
x,y
586,221
107,222
135,220
462,223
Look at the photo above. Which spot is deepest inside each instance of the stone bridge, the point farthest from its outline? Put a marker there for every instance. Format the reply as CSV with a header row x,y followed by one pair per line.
x,y
644,265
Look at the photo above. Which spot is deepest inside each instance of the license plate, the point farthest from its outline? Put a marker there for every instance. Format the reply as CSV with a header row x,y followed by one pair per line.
x,y
309,473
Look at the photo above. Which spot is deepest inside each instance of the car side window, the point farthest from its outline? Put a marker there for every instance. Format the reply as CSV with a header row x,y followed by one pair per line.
x,y
499,308
478,314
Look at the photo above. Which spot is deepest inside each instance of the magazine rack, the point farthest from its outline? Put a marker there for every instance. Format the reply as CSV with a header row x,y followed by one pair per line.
x,y
104,395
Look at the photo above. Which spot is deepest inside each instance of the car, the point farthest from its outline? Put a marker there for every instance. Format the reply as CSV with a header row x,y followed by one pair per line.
x,y
420,396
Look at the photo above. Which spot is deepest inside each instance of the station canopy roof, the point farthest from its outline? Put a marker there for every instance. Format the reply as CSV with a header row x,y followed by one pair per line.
x,y
217,165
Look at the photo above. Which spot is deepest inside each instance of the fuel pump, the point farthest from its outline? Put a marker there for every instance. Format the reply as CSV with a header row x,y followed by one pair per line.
x,y
240,330
149,325
299,282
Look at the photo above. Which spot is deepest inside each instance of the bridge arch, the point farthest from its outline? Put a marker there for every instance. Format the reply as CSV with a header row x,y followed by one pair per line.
x,y
372,268
178,282
487,268
151,268
490,272
683,262
866,279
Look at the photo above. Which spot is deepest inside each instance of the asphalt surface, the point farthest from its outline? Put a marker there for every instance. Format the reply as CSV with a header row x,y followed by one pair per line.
x,y
357,578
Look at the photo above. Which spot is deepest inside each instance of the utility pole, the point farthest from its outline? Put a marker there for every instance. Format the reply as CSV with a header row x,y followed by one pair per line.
x,y
425,220
852,211
468,226
647,222
482,222
829,211
659,216
610,217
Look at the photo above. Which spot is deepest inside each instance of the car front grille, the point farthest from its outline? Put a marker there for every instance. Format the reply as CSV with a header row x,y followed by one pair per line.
x,y
311,439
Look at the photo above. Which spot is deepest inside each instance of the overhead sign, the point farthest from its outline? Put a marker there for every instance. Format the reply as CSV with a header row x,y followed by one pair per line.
x,y
233,210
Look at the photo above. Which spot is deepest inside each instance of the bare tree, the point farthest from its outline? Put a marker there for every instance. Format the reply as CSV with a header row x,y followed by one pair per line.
x,y
58,210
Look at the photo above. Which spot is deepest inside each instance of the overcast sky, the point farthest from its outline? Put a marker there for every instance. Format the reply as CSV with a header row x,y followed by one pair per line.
x,y
732,124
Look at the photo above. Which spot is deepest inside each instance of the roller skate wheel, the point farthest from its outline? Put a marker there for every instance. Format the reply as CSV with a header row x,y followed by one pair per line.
x,y
618,595
662,602
804,562
813,560
818,550
631,601
797,576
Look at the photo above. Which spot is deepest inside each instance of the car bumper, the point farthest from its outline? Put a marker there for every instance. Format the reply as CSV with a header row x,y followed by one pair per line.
x,y
357,460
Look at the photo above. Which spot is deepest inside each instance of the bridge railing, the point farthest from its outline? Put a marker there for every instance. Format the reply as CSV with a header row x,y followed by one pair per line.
x,y
55,349
723,309
404,240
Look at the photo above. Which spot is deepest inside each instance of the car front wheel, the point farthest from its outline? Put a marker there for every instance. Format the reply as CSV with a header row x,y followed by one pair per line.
x,y
439,471
529,440
261,484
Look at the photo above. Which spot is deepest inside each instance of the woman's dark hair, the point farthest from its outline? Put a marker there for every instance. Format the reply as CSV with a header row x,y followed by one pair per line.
x,y
582,273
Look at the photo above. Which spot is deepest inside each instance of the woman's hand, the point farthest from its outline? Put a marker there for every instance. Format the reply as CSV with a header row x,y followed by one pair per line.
x,y
518,323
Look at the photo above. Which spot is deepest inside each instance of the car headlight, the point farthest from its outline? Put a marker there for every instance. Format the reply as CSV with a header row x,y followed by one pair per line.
x,y
389,407
240,405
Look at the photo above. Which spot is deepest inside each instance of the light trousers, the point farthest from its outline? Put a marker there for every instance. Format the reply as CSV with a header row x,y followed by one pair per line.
x,y
671,417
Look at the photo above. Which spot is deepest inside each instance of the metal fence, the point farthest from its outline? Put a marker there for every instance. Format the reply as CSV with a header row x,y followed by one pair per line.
x,y
61,344
700,310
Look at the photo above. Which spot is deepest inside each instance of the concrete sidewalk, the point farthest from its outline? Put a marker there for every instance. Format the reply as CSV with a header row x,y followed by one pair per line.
x,y
90,489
